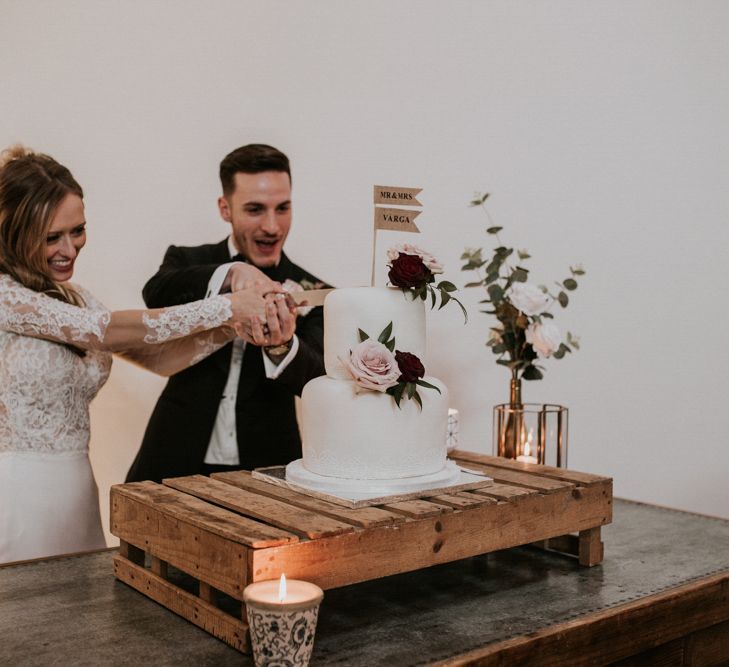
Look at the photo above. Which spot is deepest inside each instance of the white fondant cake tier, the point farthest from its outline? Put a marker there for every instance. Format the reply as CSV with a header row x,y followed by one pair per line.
x,y
367,436
371,309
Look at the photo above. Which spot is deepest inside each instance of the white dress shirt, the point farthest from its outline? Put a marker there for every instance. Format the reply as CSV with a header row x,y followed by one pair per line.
x,y
223,447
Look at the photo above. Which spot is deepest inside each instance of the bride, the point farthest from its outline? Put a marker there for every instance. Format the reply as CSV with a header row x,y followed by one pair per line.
x,y
56,343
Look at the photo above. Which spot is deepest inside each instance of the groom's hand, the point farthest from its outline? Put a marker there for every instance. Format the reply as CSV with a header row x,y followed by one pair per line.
x,y
278,327
242,276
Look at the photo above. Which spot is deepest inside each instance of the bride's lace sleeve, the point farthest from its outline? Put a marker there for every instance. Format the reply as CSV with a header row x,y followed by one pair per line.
x,y
176,355
31,313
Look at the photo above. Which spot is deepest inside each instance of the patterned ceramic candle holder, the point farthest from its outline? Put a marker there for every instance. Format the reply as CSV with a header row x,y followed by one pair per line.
x,y
282,621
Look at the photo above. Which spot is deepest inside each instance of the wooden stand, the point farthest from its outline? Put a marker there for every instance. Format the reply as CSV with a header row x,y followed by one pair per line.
x,y
230,530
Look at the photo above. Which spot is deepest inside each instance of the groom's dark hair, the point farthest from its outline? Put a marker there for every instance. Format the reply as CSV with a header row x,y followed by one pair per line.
x,y
251,159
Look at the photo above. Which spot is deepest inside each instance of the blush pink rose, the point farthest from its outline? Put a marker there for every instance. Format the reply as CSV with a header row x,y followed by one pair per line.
x,y
372,366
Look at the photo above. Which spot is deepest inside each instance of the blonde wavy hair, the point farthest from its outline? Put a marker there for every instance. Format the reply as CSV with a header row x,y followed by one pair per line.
x,y
32,185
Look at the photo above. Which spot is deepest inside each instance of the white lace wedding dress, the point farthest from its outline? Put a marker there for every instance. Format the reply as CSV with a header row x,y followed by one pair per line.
x,y
49,501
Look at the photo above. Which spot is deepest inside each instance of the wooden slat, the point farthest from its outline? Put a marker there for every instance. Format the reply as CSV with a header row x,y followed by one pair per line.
x,y
505,492
274,512
419,509
211,619
521,478
365,517
200,553
204,515
423,542
463,500
564,474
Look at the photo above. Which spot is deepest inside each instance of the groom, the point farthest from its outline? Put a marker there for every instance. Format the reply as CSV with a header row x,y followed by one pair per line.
x,y
235,409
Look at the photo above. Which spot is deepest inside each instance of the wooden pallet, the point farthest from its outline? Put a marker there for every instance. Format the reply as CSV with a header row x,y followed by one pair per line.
x,y
231,529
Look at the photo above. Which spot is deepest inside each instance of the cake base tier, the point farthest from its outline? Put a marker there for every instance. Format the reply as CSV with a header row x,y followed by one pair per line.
x,y
360,489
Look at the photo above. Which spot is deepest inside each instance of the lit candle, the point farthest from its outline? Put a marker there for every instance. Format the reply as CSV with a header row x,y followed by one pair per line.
x,y
282,618
283,594
527,449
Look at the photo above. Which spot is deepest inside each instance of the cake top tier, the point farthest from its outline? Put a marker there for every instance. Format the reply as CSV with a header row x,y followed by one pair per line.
x,y
370,309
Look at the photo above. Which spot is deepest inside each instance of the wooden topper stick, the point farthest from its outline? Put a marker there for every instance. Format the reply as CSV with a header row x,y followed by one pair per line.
x,y
374,247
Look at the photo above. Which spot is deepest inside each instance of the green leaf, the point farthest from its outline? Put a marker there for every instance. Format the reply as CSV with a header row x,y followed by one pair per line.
x,y
523,254
563,299
577,270
519,275
570,284
498,348
386,333
362,335
432,298
494,230
423,383
490,277
418,400
444,299
547,314
495,292
503,252
479,199
410,388
447,286
476,284
397,392
532,373
390,345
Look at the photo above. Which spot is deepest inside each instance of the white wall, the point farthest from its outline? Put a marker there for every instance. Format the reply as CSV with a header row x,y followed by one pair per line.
x,y
598,127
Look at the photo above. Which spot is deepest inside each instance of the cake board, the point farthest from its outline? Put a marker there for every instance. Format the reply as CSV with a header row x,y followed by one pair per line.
x,y
231,529
467,480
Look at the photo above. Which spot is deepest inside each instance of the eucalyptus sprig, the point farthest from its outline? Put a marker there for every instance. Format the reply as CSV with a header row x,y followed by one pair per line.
x,y
523,334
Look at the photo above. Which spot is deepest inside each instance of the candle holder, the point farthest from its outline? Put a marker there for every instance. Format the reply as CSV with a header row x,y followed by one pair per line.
x,y
282,625
531,433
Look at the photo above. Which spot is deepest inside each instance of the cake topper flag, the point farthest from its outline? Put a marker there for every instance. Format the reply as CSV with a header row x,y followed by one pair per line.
x,y
391,216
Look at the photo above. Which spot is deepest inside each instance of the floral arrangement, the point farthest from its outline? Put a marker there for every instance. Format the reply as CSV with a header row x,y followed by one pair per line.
x,y
525,330
376,365
413,270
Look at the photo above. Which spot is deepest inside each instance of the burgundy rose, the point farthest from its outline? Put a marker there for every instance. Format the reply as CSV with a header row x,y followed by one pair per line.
x,y
409,271
411,368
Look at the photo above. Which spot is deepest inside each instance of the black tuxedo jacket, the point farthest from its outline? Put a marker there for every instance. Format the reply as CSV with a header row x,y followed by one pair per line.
x,y
180,427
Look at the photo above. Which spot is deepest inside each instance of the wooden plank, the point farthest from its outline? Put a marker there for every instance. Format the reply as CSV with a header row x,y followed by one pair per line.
x,y
211,619
132,553
591,549
200,553
582,478
419,509
463,500
709,646
364,517
600,638
505,492
159,567
198,513
274,512
528,480
386,550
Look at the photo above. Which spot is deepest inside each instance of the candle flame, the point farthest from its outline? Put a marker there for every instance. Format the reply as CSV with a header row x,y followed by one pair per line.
x,y
282,588
528,443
